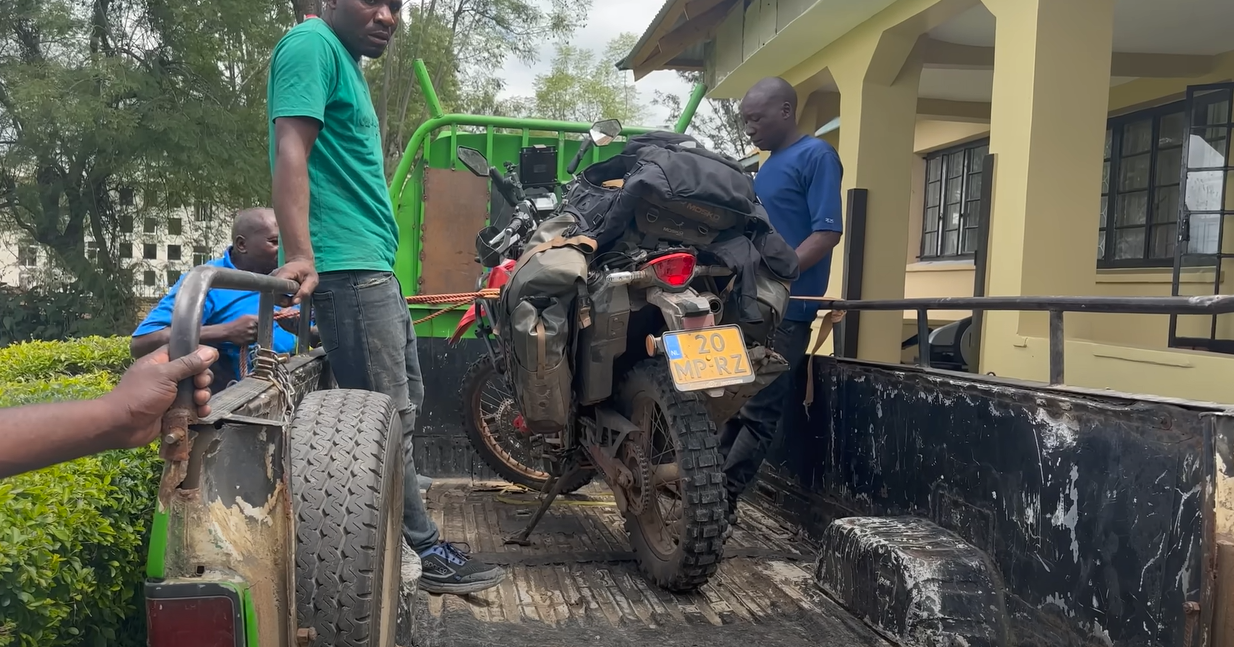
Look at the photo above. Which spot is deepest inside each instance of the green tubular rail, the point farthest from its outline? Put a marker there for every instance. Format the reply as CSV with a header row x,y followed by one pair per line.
x,y
481,131
438,119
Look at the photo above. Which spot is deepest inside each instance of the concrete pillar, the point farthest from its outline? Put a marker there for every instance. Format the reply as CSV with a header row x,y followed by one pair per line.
x,y
878,84
1047,127
817,109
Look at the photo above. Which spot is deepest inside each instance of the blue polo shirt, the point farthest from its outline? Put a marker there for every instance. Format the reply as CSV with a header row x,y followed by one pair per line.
x,y
222,306
800,188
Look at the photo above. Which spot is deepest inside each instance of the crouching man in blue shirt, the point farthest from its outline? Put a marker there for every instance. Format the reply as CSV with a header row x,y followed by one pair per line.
x,y
799,185
229,318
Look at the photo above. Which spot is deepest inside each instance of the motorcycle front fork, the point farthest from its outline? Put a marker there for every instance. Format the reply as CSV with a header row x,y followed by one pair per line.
x,y
484,330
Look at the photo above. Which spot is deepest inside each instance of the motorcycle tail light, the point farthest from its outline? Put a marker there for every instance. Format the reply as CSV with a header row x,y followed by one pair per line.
x,y
674,270
210,621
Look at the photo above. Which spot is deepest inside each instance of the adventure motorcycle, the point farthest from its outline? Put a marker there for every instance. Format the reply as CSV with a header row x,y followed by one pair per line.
x,y
619,361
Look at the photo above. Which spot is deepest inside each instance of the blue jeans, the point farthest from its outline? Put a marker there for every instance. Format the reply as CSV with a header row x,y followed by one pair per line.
x,y
747,437
371,344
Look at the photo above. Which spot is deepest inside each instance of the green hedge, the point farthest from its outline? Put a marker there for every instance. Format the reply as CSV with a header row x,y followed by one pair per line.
x,y
40,360
73,537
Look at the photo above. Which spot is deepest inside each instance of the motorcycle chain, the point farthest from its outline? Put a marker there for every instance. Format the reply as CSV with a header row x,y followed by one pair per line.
x,y
638,494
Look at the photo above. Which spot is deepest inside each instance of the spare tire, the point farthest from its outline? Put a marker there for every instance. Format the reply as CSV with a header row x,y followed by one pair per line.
x,y
347,493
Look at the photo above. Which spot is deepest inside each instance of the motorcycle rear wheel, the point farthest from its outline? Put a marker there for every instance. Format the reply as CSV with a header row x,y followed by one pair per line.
x,y
488,418
681,548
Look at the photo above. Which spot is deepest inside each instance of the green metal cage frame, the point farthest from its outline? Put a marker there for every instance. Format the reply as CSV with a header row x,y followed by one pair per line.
x,y
406,188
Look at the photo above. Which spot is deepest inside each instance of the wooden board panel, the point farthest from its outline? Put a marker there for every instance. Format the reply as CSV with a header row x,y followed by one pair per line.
x,y
455,209
1223,630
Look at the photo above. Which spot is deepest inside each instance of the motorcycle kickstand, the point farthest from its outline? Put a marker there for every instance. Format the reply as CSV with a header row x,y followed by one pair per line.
x,y
553,486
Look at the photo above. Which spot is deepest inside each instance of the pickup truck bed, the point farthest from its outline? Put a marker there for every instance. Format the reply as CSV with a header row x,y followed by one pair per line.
x,y
579,585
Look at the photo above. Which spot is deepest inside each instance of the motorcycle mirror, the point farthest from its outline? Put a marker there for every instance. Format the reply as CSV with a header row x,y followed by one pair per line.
x,y
474,160
604,132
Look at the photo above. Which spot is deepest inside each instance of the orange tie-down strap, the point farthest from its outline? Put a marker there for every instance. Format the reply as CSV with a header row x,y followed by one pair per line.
x,y
455,301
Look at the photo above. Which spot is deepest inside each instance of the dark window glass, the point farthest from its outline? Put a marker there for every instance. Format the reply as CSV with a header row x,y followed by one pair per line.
x,y
952,201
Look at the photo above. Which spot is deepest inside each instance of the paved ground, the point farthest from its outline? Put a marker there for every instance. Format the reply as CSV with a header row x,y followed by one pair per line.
x,y
578,585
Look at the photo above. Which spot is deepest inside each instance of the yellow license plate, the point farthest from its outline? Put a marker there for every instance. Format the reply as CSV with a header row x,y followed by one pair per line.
x,y
708,358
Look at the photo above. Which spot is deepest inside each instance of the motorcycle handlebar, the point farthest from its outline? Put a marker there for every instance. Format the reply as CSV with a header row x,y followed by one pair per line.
x,y
578,157
504,186
519,221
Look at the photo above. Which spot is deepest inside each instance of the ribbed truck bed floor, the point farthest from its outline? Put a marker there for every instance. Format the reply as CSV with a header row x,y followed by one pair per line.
x,y
578,583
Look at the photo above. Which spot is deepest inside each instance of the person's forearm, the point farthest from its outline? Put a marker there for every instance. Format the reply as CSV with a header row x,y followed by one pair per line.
x,y
146,344
291,201
815,248
36,436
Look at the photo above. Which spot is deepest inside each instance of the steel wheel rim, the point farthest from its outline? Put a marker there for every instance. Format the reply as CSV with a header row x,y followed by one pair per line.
x,y
485,415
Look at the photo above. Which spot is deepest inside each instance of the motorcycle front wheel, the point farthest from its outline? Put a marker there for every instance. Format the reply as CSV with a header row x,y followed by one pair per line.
x,y
678,520
489,413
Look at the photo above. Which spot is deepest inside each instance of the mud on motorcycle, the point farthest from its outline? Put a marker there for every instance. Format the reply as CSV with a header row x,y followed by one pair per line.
x,y
653,364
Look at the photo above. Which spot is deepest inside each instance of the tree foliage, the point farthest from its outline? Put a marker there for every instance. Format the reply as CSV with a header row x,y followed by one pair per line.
x,y
164,98
717,122
582,86
464,44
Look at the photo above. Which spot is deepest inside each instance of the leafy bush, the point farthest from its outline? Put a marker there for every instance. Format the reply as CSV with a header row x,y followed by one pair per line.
x,y
73,537
73,541
56,389
60,312
40,360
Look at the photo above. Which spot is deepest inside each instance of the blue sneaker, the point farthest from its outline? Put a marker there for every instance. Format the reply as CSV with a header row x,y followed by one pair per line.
x,y
448,569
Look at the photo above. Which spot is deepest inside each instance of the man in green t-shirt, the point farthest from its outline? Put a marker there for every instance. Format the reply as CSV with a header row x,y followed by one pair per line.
x,y
339,237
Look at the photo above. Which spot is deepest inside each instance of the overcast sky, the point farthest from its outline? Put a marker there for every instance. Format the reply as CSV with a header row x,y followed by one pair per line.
x,y
606,20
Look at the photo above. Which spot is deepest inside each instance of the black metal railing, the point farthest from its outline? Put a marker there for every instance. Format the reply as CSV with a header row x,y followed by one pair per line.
x,y
1055,306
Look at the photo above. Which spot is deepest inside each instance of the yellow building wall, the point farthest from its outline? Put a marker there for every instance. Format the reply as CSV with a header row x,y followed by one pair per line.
x,y
1120,352
955,278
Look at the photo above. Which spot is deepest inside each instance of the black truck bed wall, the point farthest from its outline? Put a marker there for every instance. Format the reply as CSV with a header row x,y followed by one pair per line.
x,y
1089,505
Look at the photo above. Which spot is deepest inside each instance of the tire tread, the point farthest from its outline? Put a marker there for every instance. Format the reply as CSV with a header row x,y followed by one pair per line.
x,y
704,499
344,460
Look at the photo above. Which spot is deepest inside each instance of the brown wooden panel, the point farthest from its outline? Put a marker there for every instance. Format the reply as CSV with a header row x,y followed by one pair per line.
x,y
455,209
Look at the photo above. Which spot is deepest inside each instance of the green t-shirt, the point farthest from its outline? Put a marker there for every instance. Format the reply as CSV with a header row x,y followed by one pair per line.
x,y
351,220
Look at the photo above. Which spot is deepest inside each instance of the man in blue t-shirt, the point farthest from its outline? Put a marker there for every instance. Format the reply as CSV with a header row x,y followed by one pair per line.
x,y
799,185
229,317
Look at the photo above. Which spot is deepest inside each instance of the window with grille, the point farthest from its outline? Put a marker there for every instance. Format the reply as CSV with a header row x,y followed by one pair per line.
x,y
201,255
173,252
952,201
1140,188
150,251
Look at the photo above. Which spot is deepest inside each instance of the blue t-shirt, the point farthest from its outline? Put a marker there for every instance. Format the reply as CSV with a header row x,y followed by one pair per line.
x,y
222,306
800,188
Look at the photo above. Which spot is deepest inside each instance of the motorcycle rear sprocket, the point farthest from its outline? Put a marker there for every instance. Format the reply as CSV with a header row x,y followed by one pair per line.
x,y
638,495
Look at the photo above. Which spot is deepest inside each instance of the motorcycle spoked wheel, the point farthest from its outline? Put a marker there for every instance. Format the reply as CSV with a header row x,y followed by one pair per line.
x,y
489,411
678,538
